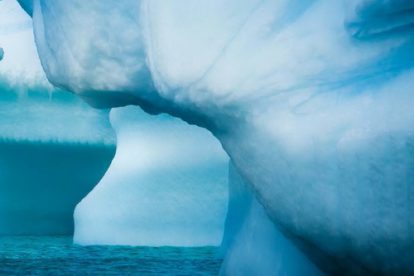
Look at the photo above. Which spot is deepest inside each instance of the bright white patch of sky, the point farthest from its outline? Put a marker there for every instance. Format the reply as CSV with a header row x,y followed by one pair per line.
x,y
20,62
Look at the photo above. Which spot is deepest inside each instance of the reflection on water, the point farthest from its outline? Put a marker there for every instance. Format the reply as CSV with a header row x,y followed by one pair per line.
x,y
59,256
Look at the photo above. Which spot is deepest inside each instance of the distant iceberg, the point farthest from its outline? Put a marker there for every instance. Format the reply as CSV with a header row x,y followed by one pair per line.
x,y
53,151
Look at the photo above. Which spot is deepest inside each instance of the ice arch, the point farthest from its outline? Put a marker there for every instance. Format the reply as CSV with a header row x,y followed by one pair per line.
x,y
54,149
167,186
311,99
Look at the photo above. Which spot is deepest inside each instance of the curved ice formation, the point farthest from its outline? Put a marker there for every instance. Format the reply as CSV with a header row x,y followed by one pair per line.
x,y
166,186
1,53
312,100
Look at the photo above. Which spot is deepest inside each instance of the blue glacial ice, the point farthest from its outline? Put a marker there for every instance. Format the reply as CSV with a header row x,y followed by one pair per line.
x,y
311,100
252,237
166,186
53,151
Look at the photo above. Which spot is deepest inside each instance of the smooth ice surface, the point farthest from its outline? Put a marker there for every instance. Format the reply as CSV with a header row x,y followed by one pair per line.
x,y
251,235
312,100
260,249
167,186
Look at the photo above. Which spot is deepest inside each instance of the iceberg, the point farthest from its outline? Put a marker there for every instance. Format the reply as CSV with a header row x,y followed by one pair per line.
x,y
54,148
311,100
53,151
159,189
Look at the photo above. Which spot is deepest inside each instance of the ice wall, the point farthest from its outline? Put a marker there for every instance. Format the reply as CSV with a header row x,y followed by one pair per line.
x,y
167,186
312,100
53,151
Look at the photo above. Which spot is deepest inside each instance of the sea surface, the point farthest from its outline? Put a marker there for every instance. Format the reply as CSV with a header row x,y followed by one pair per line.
x,y
59,256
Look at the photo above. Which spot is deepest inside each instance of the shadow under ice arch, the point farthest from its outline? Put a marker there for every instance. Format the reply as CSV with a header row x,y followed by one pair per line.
x,y
315,114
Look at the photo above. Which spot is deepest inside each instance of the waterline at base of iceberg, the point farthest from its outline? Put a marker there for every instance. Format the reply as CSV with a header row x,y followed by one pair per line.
x,y
57,255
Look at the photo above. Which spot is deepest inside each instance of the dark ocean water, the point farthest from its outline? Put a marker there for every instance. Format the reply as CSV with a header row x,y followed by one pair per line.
x,y
59,256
